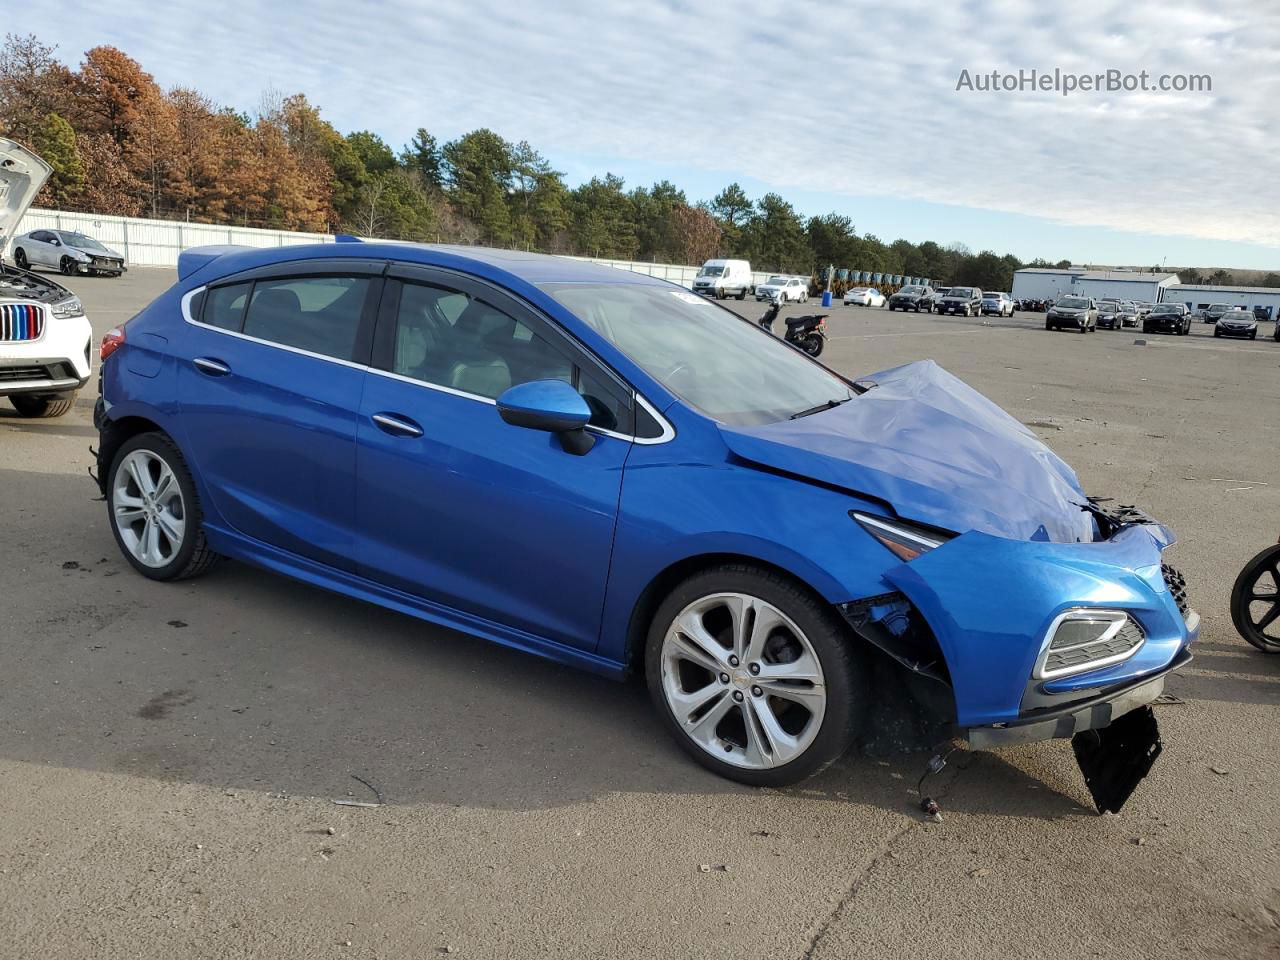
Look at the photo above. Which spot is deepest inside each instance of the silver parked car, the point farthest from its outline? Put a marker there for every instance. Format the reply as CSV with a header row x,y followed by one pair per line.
x,y
66,251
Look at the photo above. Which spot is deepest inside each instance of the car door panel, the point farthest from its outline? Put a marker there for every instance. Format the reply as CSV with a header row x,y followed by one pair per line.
x,y
271,429
490,519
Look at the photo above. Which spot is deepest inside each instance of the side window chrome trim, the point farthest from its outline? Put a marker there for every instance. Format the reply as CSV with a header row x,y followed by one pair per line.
x,y
668,431
186,315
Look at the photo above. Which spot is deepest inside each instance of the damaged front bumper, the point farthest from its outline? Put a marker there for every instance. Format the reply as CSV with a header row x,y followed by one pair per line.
x,y
979,614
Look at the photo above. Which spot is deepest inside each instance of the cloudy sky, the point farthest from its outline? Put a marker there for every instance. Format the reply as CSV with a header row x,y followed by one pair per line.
x,y
845,106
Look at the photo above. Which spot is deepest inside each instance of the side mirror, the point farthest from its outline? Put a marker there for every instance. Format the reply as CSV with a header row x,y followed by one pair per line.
x,y
552,406
56,242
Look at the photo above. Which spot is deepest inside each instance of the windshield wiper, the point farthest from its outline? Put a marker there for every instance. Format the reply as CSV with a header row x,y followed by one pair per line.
x,y
827,405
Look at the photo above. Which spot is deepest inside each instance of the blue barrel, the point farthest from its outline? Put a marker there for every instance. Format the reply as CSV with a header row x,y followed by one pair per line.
x,y
826,298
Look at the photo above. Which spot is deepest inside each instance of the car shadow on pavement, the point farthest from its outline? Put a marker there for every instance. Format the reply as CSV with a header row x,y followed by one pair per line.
x,y
246,679
57,427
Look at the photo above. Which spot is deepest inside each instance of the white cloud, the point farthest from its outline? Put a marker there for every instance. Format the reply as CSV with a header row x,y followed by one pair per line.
x,y
854,99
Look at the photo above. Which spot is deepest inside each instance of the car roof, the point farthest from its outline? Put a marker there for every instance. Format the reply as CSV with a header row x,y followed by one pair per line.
x,y
494,264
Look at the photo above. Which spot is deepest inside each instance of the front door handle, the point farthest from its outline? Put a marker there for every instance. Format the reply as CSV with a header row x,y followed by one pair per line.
x,y
214,368
396,425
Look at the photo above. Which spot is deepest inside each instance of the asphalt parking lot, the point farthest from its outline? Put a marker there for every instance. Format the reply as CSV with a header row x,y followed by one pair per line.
x,y
170,754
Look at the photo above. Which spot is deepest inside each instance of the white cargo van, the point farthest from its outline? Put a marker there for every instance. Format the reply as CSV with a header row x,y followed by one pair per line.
x,y
724,278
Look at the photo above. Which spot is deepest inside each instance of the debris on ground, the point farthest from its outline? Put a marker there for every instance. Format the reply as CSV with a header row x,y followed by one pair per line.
x,y
376,792
704,868
1220,771
71,565
979,872
1138,841
177,624
356,803
1168,700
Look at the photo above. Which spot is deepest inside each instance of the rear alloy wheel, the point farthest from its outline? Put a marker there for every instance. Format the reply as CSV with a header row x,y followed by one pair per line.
x,y
20,259
67,266
155,513
34,407
1255,601
755,677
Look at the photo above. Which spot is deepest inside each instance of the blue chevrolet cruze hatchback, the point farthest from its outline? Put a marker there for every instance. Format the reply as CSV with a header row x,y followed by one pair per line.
x,y
605,469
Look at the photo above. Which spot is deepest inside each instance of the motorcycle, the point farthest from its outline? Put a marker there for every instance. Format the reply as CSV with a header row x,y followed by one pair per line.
x,y
808,332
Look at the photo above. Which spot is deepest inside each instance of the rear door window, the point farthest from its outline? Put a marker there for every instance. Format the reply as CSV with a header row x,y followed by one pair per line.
x,y
318,314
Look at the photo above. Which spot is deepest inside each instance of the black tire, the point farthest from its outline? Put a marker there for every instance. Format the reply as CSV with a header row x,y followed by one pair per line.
x,y
1048,325
844,667
1254,335
742,294
812,345
20,259
66,266
1216,333
1267,637
43,406
194,557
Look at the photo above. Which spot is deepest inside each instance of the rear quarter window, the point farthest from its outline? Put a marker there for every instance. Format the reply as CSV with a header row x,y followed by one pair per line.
x,y
223,307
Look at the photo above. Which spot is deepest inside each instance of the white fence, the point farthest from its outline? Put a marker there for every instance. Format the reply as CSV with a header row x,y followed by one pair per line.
x,y
157,243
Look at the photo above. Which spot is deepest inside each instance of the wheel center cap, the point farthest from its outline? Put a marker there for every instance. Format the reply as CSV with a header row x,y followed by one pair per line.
x,y
741,679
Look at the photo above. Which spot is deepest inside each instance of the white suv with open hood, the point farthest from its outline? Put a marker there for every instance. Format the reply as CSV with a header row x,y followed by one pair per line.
x,y
44,335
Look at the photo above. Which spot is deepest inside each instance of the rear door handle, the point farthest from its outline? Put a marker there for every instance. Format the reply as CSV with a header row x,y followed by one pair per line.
x,y
396,425
214,368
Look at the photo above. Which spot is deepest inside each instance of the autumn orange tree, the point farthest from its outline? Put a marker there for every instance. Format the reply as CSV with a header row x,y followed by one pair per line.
x,y
121,144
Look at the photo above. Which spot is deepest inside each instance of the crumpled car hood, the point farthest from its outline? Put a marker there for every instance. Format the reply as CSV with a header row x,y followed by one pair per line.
x,y
936,450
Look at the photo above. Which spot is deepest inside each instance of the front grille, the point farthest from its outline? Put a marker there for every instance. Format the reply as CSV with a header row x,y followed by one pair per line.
x,y
16,374
1177,585
20,322
1062,658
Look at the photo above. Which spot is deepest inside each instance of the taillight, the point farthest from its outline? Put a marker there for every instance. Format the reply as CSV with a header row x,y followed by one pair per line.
x,y
111,342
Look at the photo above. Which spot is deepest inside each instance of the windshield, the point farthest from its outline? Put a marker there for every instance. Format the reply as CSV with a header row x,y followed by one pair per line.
x,y
914,291
776,280
960,292
711,272
81,242
729,368
1073,303
1166,309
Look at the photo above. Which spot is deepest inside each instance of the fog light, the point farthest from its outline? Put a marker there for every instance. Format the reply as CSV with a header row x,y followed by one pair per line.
x,y
1083,640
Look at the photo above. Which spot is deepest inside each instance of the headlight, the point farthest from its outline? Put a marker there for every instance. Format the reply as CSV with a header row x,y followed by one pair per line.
x,y
68,309
906,541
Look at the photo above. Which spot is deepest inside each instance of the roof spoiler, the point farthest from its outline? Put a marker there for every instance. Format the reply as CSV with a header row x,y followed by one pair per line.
x,y
190,261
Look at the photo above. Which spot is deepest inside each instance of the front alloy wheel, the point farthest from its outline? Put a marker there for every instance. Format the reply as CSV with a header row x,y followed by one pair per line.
x,y
754,676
